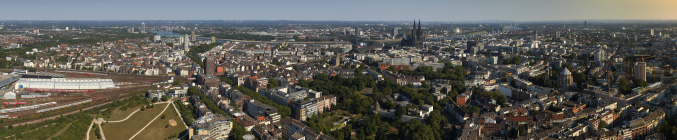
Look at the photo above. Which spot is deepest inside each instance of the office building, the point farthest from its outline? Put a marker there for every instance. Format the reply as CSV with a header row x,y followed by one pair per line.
x,y
261,111
303,109
271,31
143,27
291,129
599,55
640,70
210,66
157,38
192,35
186,42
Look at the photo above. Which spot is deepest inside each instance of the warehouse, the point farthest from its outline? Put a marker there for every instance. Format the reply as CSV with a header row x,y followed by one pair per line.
x,y
8,79
65,83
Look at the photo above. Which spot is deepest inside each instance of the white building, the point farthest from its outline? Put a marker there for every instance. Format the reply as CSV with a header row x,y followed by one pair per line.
x,y
65,83
9,96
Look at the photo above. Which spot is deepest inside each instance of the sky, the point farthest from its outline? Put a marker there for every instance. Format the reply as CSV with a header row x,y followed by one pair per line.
x,y
343,10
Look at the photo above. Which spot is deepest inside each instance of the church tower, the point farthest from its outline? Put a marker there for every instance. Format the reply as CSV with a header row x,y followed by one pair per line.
x,y
415,39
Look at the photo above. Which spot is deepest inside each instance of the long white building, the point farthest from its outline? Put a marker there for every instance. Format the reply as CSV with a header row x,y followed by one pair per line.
x,y
65,83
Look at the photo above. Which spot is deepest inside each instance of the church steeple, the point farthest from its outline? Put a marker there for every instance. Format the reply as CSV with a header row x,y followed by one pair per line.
x,y
419,24
415,39
414,31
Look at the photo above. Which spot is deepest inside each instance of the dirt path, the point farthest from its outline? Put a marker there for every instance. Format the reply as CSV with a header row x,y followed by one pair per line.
x,y
88,130
177,112
130,115
60,131
103,137
151,121
98,121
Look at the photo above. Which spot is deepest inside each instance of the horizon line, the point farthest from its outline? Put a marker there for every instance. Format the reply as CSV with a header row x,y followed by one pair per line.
x,y
497,20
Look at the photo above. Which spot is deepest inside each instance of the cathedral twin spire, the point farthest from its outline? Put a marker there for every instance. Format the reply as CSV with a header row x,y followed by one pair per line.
x,y
415,39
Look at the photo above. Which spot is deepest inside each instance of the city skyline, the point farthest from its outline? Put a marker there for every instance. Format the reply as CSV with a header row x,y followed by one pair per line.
x,y
434,10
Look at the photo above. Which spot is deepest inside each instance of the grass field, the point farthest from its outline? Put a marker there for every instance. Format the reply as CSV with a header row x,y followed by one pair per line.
x,y
122,114
125,130
157,131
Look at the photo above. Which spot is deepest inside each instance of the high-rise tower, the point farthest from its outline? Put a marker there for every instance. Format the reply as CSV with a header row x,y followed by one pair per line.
x,y
192,35
640,70
143,27
186,42
210,66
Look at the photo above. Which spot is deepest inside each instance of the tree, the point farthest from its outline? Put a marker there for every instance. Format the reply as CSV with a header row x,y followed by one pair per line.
x,y
154,99
143,109
579,78
624,86
370,125
416,130
601,124
358,72
436,122
176,83
382,132
640,83
362,135
164,98
162,117
272,83
97,133
513,60
238,131
347,131
399,111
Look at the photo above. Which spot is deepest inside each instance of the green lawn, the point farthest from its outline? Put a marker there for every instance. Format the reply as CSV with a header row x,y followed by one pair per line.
x,y
125,130
122,114
157,130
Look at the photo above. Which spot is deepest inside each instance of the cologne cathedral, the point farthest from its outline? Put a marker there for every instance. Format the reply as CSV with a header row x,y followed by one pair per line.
x,y
416,37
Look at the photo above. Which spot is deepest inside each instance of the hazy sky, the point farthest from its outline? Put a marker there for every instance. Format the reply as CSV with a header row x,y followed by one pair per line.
x,y
351,10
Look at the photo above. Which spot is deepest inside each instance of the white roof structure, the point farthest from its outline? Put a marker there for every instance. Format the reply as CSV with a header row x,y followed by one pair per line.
x,y
65,83
9,95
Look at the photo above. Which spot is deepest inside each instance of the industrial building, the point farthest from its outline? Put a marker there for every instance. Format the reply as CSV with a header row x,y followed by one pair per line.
x,y
65,83
8,79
